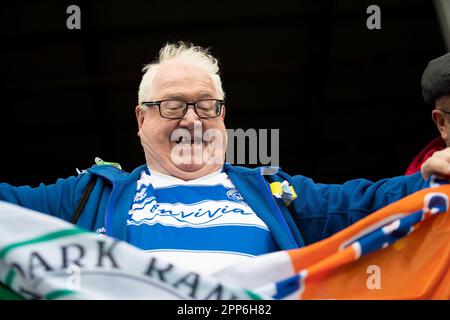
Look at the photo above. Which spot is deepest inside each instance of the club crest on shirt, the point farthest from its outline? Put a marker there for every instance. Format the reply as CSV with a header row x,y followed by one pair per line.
x,y
234,195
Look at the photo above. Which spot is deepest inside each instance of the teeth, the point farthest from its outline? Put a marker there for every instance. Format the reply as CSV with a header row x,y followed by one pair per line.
x,y
185,140
188,140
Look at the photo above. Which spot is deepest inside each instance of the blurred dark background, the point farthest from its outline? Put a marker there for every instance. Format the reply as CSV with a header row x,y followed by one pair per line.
x,y
347,100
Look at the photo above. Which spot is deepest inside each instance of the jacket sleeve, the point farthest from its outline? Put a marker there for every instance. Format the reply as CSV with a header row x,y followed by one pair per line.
x,y
324,209
58,199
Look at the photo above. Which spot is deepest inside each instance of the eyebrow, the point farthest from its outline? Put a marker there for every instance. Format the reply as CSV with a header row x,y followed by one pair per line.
x,y
203,95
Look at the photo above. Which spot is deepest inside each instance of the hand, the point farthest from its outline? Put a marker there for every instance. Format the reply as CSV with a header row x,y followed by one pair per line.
x,y
438,164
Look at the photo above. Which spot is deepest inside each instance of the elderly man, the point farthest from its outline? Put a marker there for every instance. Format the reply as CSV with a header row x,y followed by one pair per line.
x,y
188,206
436,92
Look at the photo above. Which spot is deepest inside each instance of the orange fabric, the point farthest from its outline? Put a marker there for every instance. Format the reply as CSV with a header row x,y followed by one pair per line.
x,y
415,267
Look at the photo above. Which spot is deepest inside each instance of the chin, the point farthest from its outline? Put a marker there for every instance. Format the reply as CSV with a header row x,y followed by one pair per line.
x,y
190,167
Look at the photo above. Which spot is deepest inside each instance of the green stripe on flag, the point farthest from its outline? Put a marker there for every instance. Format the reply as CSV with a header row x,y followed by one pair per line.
x,y
58,293
10,277
47,237
253,295
7,294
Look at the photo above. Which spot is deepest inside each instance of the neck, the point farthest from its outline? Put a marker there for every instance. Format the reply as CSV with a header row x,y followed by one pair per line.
x,y
174,171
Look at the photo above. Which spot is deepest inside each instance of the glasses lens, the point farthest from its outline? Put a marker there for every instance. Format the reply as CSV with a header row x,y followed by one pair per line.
x,y
208,108
172,108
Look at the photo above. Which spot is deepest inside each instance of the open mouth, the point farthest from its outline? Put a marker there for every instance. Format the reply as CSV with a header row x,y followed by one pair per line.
x,y
189,141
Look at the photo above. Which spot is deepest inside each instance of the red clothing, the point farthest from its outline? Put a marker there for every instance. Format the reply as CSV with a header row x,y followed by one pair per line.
x,y
435,145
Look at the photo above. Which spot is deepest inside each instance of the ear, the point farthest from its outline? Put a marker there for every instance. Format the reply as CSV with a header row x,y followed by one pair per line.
x,y
139,116
223,112
441,123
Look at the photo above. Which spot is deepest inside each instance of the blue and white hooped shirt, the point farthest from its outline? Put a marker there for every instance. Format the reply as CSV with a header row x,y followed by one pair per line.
x,y
203,224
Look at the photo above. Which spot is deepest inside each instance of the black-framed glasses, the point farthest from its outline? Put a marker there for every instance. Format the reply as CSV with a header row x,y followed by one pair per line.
x,y
444,111
176,109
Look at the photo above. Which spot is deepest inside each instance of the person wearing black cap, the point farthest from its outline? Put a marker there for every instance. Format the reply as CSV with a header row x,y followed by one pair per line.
x,y
435,91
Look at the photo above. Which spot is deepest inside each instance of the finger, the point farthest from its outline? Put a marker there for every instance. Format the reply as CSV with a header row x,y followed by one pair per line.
x,y
443,154
436,166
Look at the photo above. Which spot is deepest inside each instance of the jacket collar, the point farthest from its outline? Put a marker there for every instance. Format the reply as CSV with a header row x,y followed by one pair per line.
x,y
115,175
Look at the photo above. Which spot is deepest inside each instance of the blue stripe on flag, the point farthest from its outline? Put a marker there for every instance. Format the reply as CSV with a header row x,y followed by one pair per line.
x,y
287,287
378,238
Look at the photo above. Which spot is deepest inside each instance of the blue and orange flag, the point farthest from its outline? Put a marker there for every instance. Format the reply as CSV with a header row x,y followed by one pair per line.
x,y
399,252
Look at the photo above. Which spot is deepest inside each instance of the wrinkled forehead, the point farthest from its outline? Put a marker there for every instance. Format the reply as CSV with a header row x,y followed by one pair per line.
x,y
183,80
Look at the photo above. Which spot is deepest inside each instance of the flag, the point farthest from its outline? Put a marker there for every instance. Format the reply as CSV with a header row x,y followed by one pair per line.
x,y
399,252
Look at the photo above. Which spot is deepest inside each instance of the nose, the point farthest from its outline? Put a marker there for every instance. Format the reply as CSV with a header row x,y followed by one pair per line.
x,y
190,119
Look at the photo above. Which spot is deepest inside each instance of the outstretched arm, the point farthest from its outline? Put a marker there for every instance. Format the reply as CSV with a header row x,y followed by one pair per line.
x,y
58,199
324,209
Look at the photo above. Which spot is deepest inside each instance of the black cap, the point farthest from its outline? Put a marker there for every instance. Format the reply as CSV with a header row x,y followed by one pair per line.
x,y
436,79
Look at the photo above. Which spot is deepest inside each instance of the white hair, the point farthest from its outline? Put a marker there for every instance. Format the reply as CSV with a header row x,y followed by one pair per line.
x,y
185,52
